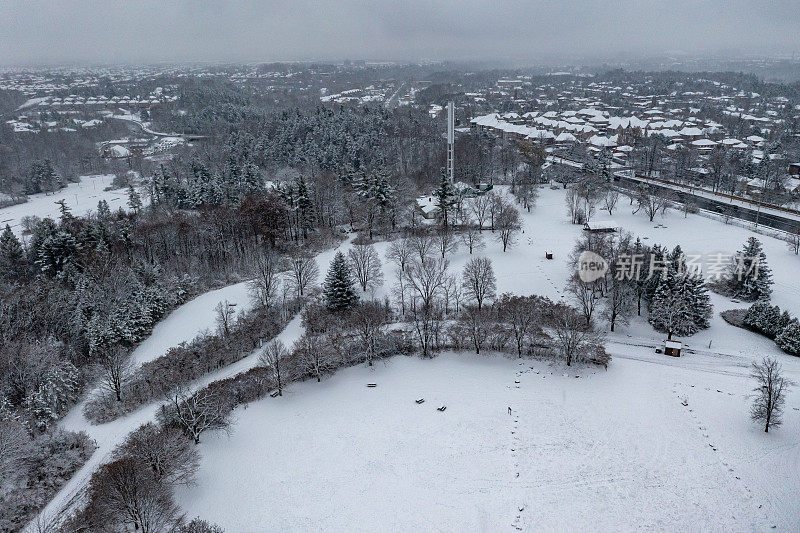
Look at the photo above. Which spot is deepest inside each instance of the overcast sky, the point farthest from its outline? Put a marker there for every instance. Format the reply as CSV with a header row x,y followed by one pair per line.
x,y
141,31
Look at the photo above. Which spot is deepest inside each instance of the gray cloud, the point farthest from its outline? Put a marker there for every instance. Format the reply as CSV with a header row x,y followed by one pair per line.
x,y
91,31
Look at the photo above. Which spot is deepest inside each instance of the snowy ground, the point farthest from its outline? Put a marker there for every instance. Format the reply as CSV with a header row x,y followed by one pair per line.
x,y
80,197
610,450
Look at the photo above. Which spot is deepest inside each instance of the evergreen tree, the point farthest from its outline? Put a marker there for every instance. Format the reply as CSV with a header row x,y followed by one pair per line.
x,y
134,200
11,255
57,391
103,211
789,338
699,303
654,261
754,317
446,196
57,253
339,288
305,207
680,303
604,164
750,278
669,312
65,212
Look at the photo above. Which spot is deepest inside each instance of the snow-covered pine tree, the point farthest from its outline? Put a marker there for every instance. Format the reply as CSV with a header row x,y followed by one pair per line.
x,y
749,276
134,200
12,255
771,322
669,312
305,207
57,252
698,301
103,211
339,290
58,390
446,195
754,317
783,321
604,164
789,338
654,261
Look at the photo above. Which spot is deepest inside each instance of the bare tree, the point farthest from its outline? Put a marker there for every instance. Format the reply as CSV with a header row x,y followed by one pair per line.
x,y
274,358
651,202
793,239
470,233
423,245
587,295
224,312
196,413
314,355
770,392
446,241
400,288
426,282
574,341
264,285
478,280
158,450
576,213
116,368
427,321
521,313
426,279
400,253
452,294
480,208
508,223
366,265
369,319
618,305
122,493
303,271
476,323
610,200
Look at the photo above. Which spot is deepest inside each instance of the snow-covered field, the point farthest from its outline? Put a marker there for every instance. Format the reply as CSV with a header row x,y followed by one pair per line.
x,y
609,450
80,197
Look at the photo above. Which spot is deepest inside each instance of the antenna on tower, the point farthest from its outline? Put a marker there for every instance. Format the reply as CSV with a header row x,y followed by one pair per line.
x,y
450,140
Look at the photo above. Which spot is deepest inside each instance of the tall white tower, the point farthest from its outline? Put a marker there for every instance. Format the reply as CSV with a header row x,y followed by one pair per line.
x,y
451,121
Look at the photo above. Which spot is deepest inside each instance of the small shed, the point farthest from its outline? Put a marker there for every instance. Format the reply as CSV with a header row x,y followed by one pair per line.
x,y
601,226
672,348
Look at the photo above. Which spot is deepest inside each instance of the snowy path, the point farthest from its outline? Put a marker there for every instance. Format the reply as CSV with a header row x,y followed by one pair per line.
x,y
182,325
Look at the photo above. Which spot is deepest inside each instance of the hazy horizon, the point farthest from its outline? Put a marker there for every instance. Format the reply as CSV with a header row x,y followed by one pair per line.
x,y
92,32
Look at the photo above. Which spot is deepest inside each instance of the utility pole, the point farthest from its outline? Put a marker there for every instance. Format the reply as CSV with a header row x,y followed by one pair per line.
x,y
450,140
